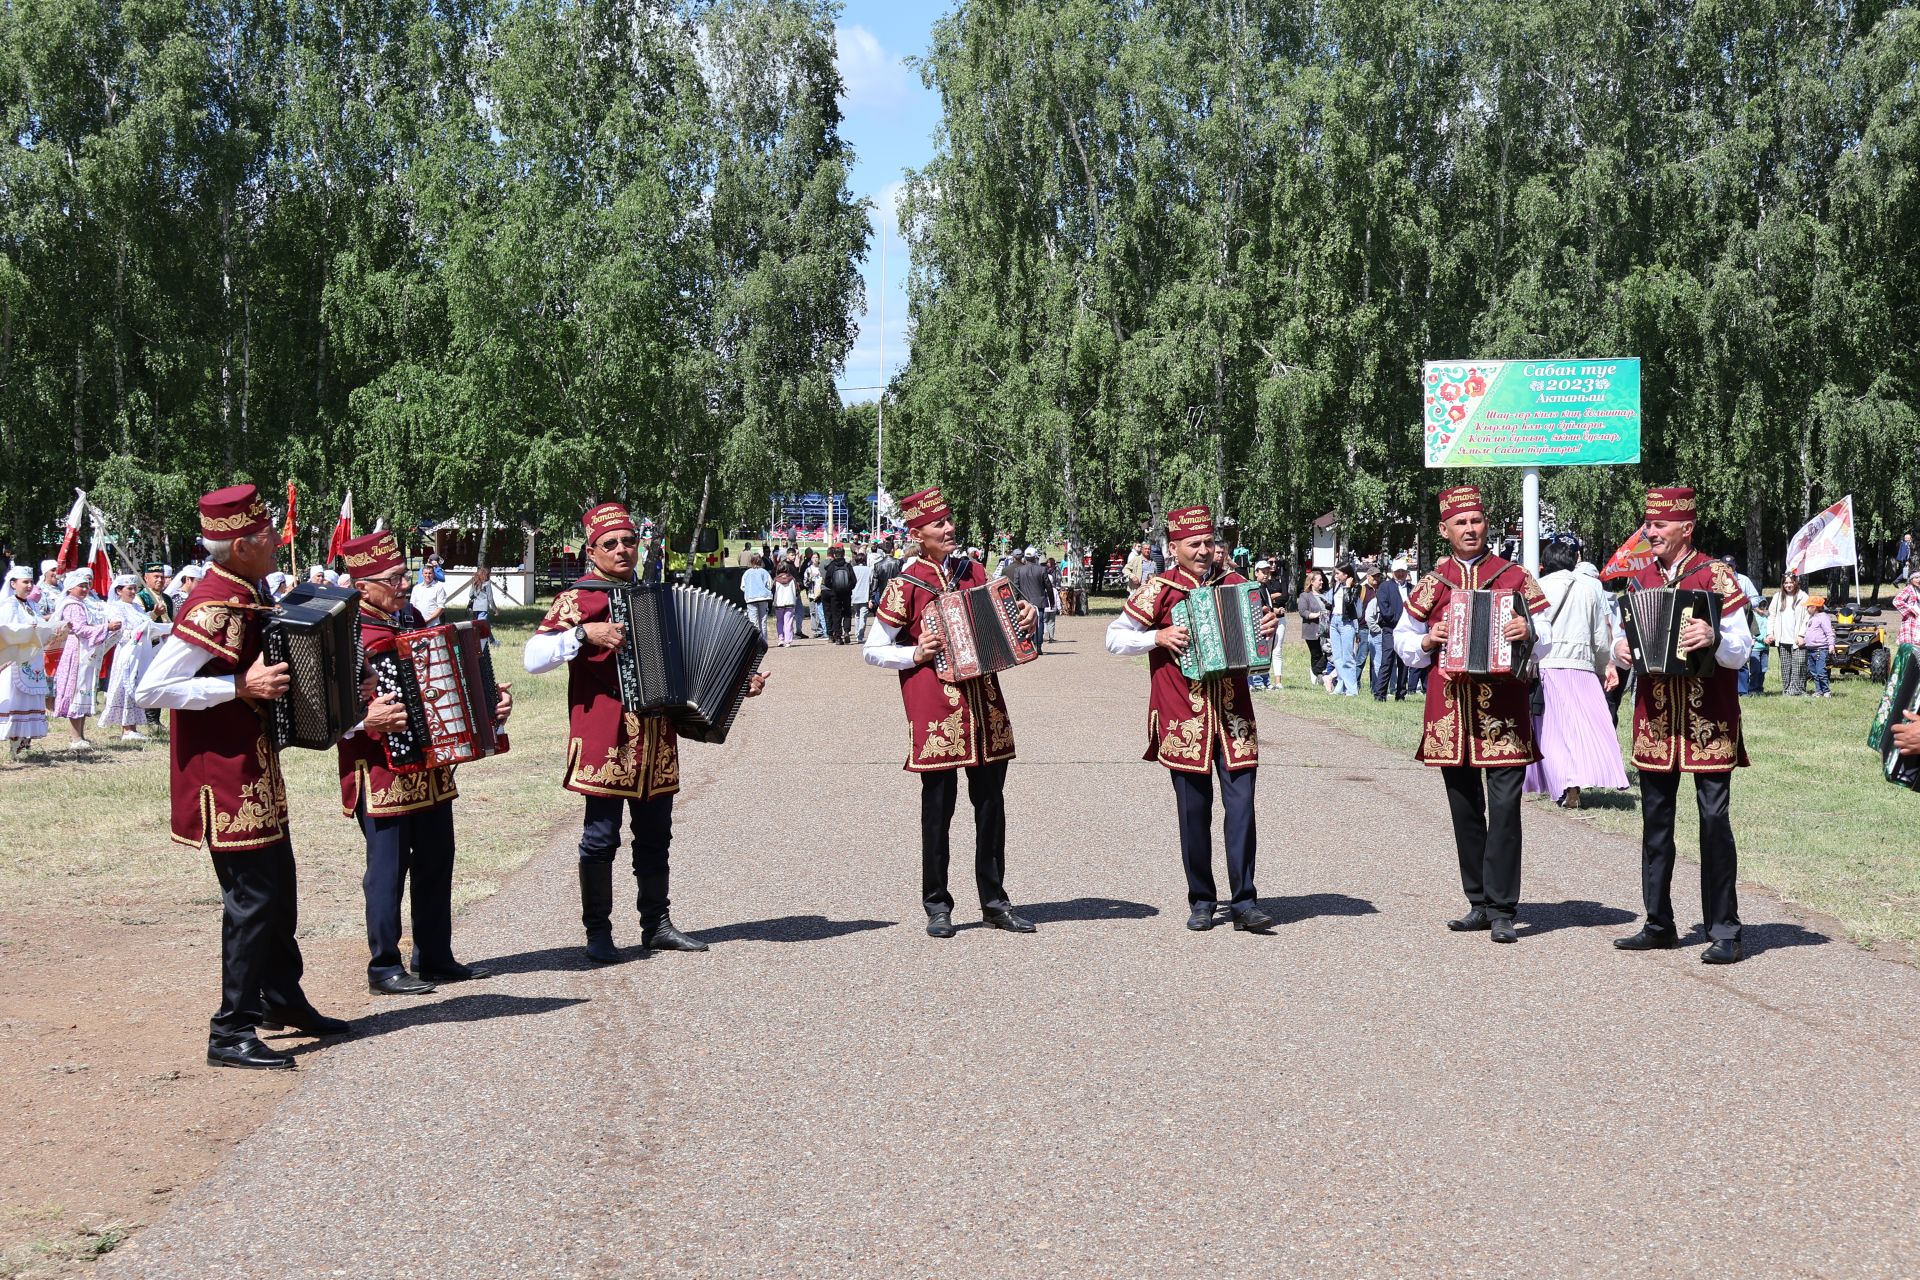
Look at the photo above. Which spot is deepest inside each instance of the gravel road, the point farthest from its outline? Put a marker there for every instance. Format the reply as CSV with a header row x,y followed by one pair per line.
x,y
831,1093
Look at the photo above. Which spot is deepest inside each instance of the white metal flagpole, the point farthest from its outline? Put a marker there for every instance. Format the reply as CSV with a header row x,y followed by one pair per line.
x,y
1530,520
880,409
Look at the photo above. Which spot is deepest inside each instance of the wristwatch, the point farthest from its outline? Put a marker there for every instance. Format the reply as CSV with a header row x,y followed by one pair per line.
x,y
580,634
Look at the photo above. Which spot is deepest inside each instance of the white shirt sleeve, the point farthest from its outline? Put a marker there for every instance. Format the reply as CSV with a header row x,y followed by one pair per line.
x,y
1542,635
1126,637
883,648
173,680
1736,641
1406,641
549,649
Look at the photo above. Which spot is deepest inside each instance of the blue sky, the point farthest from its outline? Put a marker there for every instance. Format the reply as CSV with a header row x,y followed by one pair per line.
x,y
889,120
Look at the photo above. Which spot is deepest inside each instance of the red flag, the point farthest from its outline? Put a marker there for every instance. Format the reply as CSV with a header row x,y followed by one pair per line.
x,y
1635,554
98,562
342,530
287,530
68,557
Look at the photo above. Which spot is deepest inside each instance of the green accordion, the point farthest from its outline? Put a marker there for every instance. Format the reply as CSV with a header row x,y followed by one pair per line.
x,y
1901,696
1223,631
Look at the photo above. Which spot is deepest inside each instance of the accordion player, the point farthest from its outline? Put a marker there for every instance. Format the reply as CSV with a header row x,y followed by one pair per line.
x,y
1223,625
981,629
689,655
443,678
315,630
1477,643
1653,618
1902,695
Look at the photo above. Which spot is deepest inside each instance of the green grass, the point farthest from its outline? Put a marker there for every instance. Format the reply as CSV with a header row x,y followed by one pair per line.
x,y
1814,820
91,831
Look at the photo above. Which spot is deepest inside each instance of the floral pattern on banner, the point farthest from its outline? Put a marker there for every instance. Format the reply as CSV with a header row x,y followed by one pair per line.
x,y
1452,393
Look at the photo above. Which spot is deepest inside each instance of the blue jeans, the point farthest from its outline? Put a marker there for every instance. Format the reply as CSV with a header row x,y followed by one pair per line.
x,y
820,619
1346,667
1817,670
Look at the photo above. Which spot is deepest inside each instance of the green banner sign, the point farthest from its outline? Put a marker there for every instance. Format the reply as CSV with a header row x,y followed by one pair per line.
x,y
1531,413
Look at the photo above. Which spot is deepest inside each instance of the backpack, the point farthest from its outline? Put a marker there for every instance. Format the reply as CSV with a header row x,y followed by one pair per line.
x,y
841,578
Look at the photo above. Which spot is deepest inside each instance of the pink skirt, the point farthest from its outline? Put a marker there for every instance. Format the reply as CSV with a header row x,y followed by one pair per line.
x,y
1579,747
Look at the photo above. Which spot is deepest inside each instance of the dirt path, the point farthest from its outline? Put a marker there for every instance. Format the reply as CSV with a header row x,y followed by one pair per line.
x,y
831,1093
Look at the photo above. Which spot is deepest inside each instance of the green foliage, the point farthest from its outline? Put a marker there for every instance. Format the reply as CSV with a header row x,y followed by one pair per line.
x,y
1197,250
496,259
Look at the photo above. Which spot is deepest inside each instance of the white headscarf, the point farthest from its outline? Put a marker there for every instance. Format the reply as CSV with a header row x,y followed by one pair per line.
x,y
48,565
125,580
75,578
20,573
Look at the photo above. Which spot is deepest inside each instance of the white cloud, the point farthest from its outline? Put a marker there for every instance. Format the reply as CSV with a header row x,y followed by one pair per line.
x,y
871,78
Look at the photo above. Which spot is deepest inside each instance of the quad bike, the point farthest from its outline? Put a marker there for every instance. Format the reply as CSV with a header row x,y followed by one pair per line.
x,y
1859,643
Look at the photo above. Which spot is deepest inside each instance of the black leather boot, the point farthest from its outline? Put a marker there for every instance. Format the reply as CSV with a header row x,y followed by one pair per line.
x,y
657,930
596,911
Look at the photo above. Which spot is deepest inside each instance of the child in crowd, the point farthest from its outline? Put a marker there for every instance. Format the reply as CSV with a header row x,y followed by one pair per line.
x,y
1817,640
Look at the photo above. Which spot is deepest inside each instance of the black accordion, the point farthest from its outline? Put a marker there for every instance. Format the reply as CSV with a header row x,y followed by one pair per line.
x,y
1653,618
443,677
689,655
315,630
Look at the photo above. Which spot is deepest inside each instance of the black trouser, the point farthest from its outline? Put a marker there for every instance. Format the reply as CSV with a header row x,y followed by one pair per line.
x,y
1193,802
260,963
840,615
652,827
1486,834
1039,625
1389,673
1316,657
419,844
1719,861
939,794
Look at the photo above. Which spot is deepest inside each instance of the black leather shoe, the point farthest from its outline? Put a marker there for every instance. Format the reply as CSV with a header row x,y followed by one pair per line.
x,y
308,1022
1202,918
1724,951
455,972
1253,920
399,984
666,936
248,1053
1502,927
600,948
940,924
1472,922
1647,940
1008,920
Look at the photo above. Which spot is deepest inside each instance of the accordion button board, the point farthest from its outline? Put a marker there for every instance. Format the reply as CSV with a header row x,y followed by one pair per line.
x,y
443,678
315,630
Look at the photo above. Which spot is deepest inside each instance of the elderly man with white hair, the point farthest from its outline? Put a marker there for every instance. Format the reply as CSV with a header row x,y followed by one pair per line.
x,y
24,686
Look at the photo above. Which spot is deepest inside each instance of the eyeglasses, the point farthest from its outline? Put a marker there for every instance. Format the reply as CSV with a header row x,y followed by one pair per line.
x,y
615,544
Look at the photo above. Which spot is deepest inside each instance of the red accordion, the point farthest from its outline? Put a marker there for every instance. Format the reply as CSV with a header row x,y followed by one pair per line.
x,y
443,677
981,626
1477,643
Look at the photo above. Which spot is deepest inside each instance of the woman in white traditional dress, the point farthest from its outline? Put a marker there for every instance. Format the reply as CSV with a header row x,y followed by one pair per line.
x,y
88,630
132,647
23,677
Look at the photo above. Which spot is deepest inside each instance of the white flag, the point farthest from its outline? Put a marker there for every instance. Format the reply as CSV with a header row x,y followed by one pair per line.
x,y
1824,542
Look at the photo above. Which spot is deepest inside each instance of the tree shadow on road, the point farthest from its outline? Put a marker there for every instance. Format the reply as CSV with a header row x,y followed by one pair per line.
x,y
1545,917
807,928
476,1007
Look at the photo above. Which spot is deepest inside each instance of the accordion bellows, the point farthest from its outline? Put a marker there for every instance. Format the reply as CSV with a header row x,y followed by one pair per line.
x,y
1652,619
1477,643
1902,695
1223,631
981,627
689,655
443,677
315,630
